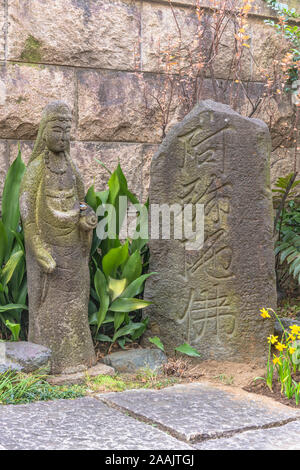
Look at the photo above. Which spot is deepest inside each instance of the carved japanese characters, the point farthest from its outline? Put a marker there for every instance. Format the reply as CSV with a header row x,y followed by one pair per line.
x,y
211,297
58,228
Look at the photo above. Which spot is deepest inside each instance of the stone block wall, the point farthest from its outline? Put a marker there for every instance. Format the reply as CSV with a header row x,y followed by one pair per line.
x,y
100,56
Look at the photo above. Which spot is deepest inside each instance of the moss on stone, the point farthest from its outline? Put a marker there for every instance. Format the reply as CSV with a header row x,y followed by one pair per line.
x,y
31,51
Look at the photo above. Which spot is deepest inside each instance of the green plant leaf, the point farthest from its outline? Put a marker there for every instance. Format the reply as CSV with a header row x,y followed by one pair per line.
x,y
118,320
104,338
10,199
136,287
188,350
113,259
126,330
128,305
91,198
101,289
3,243
156,340
141,330
116,287
5,308
10,267
14,328
133,267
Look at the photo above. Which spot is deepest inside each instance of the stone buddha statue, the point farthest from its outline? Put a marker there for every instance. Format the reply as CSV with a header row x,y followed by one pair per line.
x,y
58,229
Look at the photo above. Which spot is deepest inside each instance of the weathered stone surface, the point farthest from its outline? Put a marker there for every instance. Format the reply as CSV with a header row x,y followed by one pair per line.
x,y
130,155
266,46
210,297
259,7
80,377
199,411
148,153
185,48
136,359
28,355
10,366
120,106
84,423
161,39
2,36
27,91
278,438
92,34
58,229
286,323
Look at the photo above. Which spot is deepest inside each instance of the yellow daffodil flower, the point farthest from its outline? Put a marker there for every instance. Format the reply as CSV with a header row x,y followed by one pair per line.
x,y
264,313
276,360
291,337
280,346
272,339
292,350
295,329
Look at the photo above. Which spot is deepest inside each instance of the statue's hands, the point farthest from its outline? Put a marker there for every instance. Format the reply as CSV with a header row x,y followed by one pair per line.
x,y
88,219
46,261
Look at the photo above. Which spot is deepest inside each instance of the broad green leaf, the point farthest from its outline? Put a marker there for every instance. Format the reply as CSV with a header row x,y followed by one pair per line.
x,y
114,188
3,243
14,328
5,308
128,305
156,340
116,287
188,350
10,199
121,342
136,287
126,330
124,187
138,244
113,259
104,338
101,289
91,198
141,330
109,318
93,319
133,267
103,196
19,239
118,320
10,267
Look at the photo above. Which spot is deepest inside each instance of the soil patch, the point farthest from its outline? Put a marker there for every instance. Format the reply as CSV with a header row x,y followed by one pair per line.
x,y
261,388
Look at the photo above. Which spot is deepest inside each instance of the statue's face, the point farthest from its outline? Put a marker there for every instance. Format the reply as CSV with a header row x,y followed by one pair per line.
x,y
57,135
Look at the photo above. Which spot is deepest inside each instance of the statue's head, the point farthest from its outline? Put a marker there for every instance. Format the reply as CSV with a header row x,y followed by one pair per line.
x,y
54,129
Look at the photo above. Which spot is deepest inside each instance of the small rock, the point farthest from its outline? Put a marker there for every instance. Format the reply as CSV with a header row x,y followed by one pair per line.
x,y
12,366
79,377
25,356
135,359
286,322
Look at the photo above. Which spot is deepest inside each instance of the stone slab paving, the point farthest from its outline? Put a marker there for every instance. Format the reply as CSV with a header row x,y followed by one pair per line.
x,y
199,411
84,423
285,437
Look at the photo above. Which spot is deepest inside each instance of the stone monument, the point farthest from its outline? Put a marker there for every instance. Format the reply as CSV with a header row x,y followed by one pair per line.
x,y
211,297
58,232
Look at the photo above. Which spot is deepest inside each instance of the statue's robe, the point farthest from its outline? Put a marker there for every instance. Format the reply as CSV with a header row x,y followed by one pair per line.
x,y
58,302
